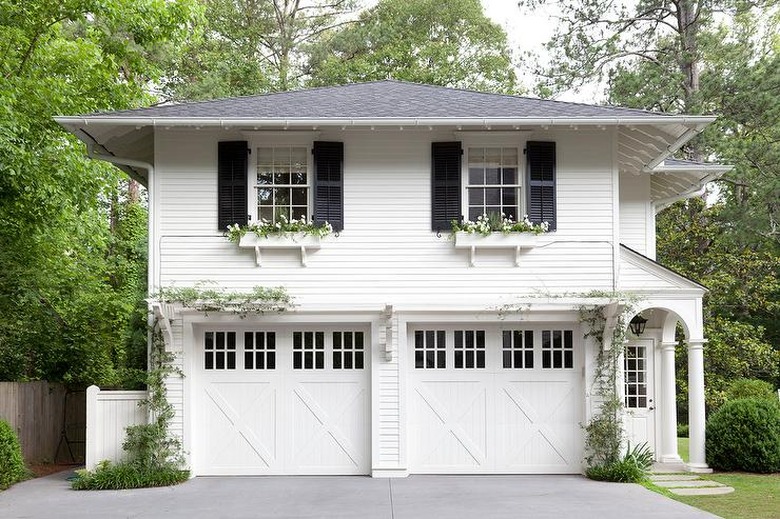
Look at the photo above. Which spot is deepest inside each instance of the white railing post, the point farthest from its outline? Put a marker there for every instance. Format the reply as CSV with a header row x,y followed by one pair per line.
x,y
93,419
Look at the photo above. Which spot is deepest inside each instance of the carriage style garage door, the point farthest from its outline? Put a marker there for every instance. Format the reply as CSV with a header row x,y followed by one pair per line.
x,y
495,400
282,401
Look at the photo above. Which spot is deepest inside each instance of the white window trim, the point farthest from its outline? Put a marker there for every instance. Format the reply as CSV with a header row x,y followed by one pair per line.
x,y
269,139
497,139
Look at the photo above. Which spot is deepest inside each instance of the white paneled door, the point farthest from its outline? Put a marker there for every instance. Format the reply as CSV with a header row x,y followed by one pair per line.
x,y
495,399
638,375
282,401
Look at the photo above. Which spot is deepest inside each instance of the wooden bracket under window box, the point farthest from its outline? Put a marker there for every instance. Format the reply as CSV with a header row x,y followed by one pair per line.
x,y
294,241
517,241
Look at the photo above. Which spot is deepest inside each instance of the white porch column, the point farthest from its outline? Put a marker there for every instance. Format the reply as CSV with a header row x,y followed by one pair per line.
x,y
696,416
668,405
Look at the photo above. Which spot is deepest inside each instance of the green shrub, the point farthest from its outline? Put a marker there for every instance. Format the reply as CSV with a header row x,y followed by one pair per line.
x,y
682,430
12,469
108,476
745,435
632,468
750,388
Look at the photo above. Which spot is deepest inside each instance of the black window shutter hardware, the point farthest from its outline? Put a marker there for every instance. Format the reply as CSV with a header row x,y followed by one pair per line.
x,y
445,184
541,182
232,162
329,184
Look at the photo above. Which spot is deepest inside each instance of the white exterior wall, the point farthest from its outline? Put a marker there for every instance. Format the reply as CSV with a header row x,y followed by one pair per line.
x,y
637,221
387,253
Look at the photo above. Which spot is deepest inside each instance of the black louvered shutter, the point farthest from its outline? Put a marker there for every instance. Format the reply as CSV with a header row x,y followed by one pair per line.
x,y
329,184
541,182
445,184
232,183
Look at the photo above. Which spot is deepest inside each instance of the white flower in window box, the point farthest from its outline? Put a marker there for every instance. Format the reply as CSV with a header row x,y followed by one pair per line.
x,y
299,234
493,232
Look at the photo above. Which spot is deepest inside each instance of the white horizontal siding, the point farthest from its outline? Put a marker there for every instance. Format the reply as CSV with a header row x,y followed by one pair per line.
x,y
632,278
634,212
387,252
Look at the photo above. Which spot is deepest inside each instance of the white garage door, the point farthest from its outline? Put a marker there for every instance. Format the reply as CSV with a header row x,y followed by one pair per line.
x,y
495,400
282,401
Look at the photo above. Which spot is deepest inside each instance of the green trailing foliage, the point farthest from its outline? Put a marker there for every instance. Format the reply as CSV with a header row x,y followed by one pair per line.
x,y
744,434
12,468
209,297
153,455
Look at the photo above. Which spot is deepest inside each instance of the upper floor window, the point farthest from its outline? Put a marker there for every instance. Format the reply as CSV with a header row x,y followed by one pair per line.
x,y
493,182
282,185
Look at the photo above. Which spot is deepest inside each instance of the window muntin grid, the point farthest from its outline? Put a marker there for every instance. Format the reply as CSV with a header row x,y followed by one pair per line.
x,y
430,349
282,183
348,350
219,350
308,350
635,366
494,185
557,349
260,350
469,349
518,349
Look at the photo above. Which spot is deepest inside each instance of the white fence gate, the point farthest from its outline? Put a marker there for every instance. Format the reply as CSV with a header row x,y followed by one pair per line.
x,y
108,414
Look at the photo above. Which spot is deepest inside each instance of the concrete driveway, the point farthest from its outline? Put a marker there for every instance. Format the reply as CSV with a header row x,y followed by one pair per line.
x,y
416,497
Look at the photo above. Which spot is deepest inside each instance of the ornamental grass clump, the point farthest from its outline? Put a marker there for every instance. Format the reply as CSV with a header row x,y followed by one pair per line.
x,y
12,469
633,467
744,434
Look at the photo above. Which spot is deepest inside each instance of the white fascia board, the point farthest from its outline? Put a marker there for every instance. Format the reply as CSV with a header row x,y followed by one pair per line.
x,y
84,121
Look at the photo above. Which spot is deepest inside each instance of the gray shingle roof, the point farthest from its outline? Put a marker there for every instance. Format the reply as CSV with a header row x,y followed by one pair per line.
x,y
380,99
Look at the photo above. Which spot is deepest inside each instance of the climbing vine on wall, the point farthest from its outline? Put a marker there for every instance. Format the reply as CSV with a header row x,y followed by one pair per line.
x,y
207,297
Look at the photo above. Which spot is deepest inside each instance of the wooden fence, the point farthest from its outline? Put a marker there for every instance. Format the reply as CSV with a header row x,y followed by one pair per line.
x,y
49,420
108,414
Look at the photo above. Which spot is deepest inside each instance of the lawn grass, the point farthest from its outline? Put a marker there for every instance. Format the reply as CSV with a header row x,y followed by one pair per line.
x,y
755,496
682,448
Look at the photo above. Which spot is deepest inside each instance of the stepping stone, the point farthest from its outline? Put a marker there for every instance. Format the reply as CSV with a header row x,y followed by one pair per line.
x,y
689,484
706,491
674,477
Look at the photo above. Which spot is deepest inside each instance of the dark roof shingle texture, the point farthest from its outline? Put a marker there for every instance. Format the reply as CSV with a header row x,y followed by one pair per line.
x,y
379,100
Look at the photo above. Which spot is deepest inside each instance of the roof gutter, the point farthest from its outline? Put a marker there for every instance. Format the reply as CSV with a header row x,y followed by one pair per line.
x,y
98,120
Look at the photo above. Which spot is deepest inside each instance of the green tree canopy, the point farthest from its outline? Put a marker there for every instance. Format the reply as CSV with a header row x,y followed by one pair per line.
x,y
425,41
70,281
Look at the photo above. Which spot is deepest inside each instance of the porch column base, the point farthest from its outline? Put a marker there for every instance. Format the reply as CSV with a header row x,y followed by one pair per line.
x,y
698,468
671,458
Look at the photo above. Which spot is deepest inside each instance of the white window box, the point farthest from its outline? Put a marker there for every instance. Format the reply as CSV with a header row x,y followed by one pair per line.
x,y
517,241
294,241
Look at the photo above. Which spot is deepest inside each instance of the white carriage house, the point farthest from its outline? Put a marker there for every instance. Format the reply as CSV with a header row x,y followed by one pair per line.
x,y
410,350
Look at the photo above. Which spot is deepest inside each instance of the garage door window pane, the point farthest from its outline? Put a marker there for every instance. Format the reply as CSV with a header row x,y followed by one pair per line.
x,y
260,350
518,349
347,350
557,349
430,349
469,349
219,350
308,350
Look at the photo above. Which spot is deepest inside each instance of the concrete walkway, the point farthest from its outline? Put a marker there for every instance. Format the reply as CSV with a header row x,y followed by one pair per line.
x,y
416,497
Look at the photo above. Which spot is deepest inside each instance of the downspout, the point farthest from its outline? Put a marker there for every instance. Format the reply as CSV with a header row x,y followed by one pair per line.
x,y
152,284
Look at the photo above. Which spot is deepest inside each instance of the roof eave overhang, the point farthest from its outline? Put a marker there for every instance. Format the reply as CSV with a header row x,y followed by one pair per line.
x,y
85,121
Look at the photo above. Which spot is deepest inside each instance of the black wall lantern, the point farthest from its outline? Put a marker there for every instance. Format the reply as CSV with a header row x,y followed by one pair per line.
x,y
637,325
